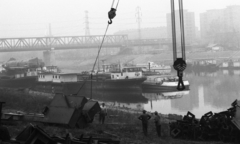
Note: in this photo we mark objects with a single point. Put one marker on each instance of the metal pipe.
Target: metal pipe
(1, 103)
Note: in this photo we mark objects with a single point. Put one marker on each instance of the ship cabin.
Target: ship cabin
(32, 72)
(58, 77)
(127, 73)
(233, 63)
(160, 79)
(51, 69)
(225, 65)
(45, 77)
(65, 77)
(236, 64)
(106, 68)
(19, 75)
(205, 62)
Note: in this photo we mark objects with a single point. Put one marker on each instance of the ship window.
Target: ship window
(121, 74)
(52, 76)
(112, 76)
(55, 76)
(43, 76)
(59, 77)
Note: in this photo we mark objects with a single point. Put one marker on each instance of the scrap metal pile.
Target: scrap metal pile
(68, 111)
(223, 126)
(71, 111)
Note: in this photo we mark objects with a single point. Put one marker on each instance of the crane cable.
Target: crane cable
(179, 63)
(111, 15)
(182, 29)
(173, 31)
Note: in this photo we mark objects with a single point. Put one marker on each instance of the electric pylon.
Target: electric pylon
(87, 30)
(138, 19)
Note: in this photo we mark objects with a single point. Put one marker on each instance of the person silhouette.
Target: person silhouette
(144, 118)
(157, 123)
(103, 113)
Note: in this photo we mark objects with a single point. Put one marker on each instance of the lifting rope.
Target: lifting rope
(111, 15)
(179, 63)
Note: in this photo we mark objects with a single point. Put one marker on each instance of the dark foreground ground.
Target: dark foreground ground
(119, 125)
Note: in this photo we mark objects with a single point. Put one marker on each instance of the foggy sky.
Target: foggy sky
(30, 18)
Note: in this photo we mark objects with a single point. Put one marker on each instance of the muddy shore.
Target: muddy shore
(119, 125)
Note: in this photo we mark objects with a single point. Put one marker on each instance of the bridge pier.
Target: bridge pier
(49, 57)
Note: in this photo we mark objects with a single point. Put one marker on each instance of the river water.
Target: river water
(209, 91)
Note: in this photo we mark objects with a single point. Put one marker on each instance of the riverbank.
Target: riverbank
(119, 125)
(126, 133)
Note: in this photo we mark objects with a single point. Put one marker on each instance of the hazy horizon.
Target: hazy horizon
(31, 18)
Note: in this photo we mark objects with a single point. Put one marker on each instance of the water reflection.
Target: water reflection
(165, 96)
(209, 91)
(127, 100)
(213, 91)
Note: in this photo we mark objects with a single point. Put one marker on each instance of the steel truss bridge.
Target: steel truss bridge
(73, 42)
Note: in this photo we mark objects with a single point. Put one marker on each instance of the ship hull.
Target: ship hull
(18, 83)
(153, 87)
(89, 87)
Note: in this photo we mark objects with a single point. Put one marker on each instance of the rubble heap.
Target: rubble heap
(223, 126)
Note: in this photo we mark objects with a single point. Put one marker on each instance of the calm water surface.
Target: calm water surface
(213, 91)
(208, 92)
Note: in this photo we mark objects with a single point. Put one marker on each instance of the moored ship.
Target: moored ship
(152, 66)
(165, 95)
(162, 83)
(230, 64)
(127, 78)
(20, 74)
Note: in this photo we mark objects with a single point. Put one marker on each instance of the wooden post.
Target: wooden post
(1, 103)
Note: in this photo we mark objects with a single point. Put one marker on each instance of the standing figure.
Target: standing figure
(144, 118)
(103, 113)
(157, 123)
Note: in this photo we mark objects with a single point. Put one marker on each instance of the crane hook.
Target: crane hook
(111, 15)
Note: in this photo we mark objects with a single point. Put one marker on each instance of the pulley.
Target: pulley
(112, 12)
(111, 15)
(180, 65)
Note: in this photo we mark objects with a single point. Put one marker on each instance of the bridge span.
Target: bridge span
(74, 42)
